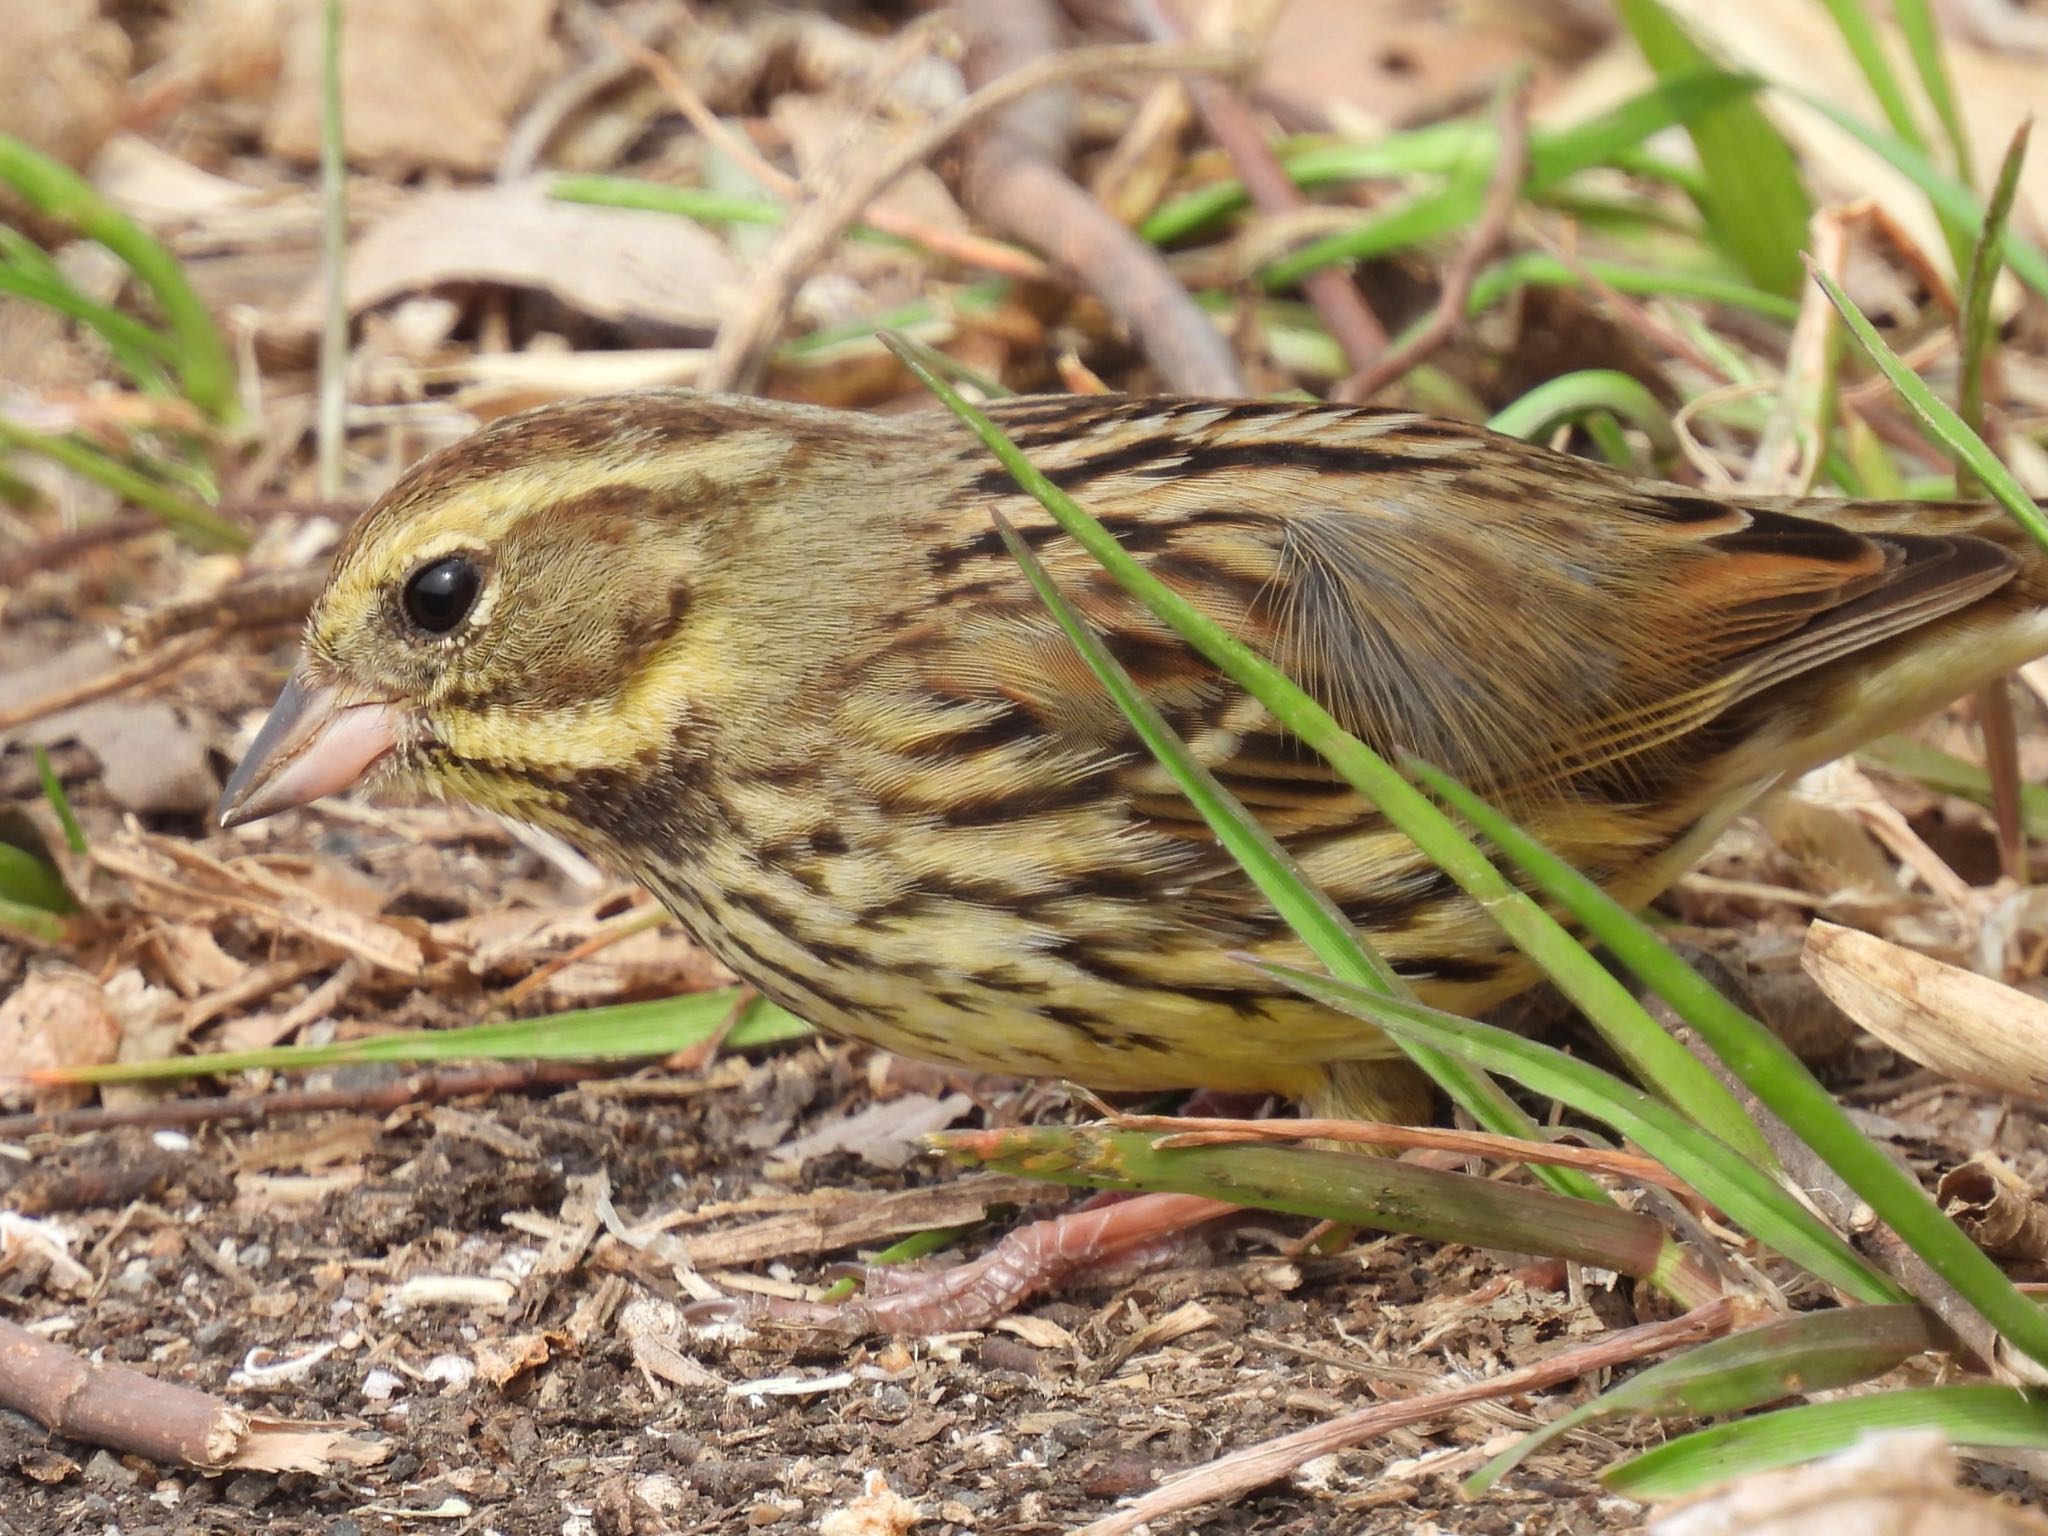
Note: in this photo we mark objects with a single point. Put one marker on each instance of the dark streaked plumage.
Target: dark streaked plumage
(775, 662)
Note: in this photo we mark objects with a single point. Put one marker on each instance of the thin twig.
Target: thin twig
(140, 670)
(1503, 192)
(418, 1088)
(331, 435)
(745, 340)
(61, 549)
(1239, 1473)
(1331, 291)
(2002, 762)
(961, 245)
(1014, 176)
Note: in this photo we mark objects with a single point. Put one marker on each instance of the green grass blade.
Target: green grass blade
(1384, 1194)
(1684, 97)
(1572, 395)
(1750, 1195)
(206, 370)
(1669, 1067)
(1946, 426)
(1947, 774)
(623, 1030)
(1923, 42)
(1312, 916)
(60, 803)
(1966, 1415)
(1985, 263)
(1951, 198)
(29, 881)
(1859, 31)
(197, 524)
(1793, 1356)
(1540, 269)
(1768, 1067)
(1757, 204)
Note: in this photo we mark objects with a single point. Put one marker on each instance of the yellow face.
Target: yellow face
(524, 607)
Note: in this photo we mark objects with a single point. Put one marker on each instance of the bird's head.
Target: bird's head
(551, 604)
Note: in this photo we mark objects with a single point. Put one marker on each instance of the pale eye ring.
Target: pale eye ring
(439, 595)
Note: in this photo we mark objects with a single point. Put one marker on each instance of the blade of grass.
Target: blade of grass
(1312, 916)
(1947, 774)
(655, 1028)
(60, 803)
(1949, 197)
(1686, 95)
(1572, 395)
(1853, 20)
(1757, 203)
(1946, 426)
(1794, 1356)
(31, 923)
(29, 881)
(1923, 42)
(199, 525)
(1665, 1063)
(1384, 1194)
(1750, 1195)
(1768, 1067)
(206, 371)
(1977, 333)
(1965, 1415)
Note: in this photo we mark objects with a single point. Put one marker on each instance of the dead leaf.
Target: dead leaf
(1955, 1022)
(884, 1134)
(57, 1017)
(62, 75)
(2002, 1213)
(1900, 1484)
(424, 82)
(609, 263)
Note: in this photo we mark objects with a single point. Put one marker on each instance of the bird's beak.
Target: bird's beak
(312, 745)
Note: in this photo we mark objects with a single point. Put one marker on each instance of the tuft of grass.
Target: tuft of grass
(192, 346)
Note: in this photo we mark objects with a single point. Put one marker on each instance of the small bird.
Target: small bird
(775, 662)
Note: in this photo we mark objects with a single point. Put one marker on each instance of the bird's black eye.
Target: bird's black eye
(439, 595)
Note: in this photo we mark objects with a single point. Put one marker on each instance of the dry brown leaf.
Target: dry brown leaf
(1888, 1485)
(610, 263)
(57, 1017)
(2002, 1213)
(424, 82)
(62, 74)
(885, 1134)
(879, 1511)
(1955, 1022)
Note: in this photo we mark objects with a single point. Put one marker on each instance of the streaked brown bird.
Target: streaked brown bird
(775, 662)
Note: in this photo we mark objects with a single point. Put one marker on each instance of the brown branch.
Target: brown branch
(1503, 192)
(127, 1411)
(1014, 177)
(1331, 291)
